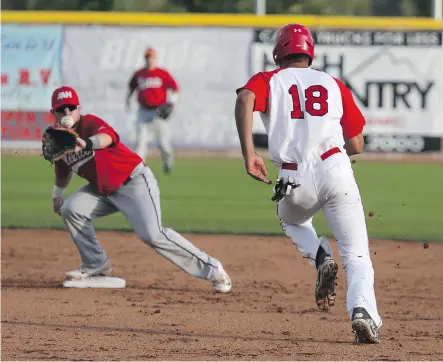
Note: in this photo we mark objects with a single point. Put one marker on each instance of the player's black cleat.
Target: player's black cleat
(167, 169)
(366, 332)
(325, 286)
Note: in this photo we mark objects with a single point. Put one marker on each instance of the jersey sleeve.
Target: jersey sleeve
(259, 85)
(61, 169)
(100, 126)
(352, 120)
(171, 83)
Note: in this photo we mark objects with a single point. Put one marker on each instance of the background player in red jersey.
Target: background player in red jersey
(118, 180)
(155, 105)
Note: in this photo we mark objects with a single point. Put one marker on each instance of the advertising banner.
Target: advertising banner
(31, 66)
(24, 126)
(396, 79)
(207, 63)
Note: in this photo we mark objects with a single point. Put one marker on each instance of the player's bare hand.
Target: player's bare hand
(255, 166)
(80, 144)
(57, 204)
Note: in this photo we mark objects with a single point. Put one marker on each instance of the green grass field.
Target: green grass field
(216, 196)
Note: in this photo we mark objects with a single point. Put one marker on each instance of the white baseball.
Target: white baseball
(67, 121)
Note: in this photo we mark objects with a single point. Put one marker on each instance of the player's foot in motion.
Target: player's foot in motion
(221, 282)
(325, 285)
(167, 169)
(84, 273)
(366, 332)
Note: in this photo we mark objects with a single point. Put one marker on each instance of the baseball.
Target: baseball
(67, 121)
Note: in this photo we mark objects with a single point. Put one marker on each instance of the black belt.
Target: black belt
(150, 108)
(127, 180)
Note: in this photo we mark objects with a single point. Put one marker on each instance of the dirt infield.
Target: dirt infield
(164, 314)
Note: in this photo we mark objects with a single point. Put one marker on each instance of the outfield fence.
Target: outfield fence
(394, 67)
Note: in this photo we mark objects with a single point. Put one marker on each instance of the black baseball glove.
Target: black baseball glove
(57, 141)
(283, 188)
(165, 110)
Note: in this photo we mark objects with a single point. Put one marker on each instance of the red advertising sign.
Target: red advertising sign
(28, 77)
(24, 126)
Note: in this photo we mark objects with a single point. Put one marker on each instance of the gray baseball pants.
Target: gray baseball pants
(147, 123)
(139, 201)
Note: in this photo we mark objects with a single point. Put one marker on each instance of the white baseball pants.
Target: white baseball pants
(330, 185)
(147, 123)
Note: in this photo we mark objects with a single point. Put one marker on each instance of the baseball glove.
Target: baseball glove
(57, 141)
(283, 188)
(165, 110)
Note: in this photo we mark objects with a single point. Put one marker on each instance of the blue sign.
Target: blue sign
(31, 66)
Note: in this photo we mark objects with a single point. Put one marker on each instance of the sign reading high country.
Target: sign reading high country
(396, 77)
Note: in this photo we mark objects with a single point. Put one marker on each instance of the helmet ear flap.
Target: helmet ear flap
(275, 55)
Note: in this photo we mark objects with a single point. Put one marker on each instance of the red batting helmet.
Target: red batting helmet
(293, 39)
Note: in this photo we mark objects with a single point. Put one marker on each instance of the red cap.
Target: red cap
(64, 96)
(293, 39)
(150, 51)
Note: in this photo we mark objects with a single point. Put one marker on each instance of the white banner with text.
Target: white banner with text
(207, 64)
(396, 79)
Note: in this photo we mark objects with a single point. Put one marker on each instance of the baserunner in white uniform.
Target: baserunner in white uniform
(313, 124)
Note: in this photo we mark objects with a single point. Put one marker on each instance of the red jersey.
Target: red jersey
(152, 86)
(105, 169)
